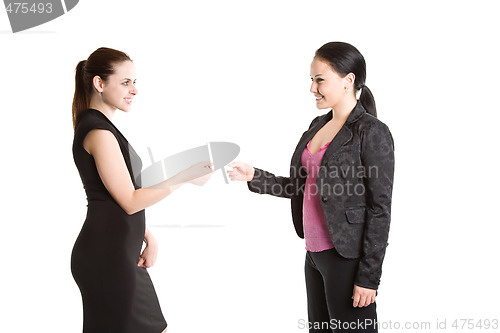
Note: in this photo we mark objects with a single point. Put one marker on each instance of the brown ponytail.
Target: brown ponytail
(100, 63)
(80, 100)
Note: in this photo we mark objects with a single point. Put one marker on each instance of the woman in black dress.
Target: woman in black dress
(340, 186)
(107, 263)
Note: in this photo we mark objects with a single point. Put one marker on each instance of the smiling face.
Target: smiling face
(328, 87)
(119, 89)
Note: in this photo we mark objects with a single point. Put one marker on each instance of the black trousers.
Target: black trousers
(330, 282)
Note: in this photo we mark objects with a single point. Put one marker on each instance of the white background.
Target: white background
(239, 72)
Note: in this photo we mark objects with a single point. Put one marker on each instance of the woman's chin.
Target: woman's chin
(322, 107)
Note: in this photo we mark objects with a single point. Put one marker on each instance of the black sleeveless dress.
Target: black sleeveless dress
(118, 296)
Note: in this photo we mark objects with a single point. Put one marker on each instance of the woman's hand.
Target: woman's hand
(197, 174)
(148, 256)
(241, 171)
(363, 296)
(203, 171)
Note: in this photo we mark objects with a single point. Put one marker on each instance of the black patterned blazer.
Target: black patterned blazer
(355, 187)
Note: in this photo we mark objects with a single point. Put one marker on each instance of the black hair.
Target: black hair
(344, 59)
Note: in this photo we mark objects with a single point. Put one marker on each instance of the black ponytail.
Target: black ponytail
(344, 59)
(367, 100)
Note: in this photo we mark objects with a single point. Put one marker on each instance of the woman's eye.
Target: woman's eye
(125, 83)
(319, 80)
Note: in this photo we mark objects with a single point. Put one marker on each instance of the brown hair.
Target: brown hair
(100, 63)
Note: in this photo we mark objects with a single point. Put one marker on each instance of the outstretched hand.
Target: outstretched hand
(201, 172)
(241, 171)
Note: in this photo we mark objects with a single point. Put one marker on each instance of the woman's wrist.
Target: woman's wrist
(151, 242)
(252, 175)
(149, 238)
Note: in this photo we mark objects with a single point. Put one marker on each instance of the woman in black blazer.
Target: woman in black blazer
(340, 186)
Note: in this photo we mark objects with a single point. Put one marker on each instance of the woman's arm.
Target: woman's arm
(260, 181)
(104, 147)
(263, 182)
(148, 237)
(377, 156)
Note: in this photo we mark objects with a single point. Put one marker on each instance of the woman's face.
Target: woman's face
(119, 90)
(327, 86)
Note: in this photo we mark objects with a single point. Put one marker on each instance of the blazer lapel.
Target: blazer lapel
(343, 136)
(306, 137)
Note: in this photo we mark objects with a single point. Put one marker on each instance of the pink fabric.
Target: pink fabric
(315, 230)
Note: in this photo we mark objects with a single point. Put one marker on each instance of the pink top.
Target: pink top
(315, 230)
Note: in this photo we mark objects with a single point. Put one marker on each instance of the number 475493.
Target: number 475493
(25, 8)
(475, 324)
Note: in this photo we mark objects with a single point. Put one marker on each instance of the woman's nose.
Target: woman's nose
(314, 87)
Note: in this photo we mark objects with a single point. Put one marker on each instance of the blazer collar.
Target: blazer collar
(355, 114)
(340, 139)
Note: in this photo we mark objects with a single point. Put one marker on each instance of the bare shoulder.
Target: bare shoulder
(99, 140)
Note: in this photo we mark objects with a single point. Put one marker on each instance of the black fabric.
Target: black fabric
(355, 187)
(118, 296)
(329, 284)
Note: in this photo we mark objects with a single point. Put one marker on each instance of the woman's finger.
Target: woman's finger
(355, 301)
(362, 301)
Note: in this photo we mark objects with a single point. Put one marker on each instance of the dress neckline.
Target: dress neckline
(102, 115)
(109, 121)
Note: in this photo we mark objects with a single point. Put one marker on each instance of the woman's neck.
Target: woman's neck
(342, 110)
(105, 109)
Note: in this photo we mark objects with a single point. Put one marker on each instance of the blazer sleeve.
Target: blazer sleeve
(265, 182)
(377, 156)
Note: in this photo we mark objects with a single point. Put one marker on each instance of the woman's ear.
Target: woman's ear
(97, 83)
(350, 78)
